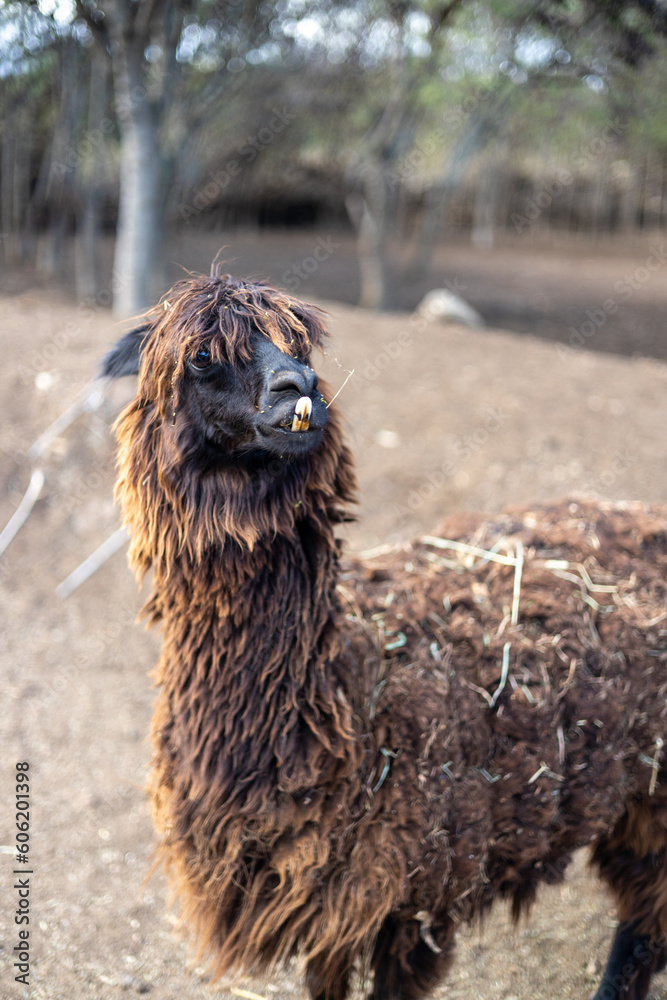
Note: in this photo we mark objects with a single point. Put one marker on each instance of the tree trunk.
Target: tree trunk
(485, 204)
(55, 191)
(91, 183)
(7, 163)
(370, 252)
(140, 216)
(87, 255)
(16, 229)
(22, 179)
(145, 170)
(368, 212)
(476, 137)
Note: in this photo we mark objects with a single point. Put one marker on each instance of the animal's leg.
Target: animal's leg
(633, 861)
(321, 987)
(405, 962)
(632, 961)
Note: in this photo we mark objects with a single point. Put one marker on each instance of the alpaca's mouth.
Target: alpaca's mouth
(302, 412)
(296, 425)
(296, 417)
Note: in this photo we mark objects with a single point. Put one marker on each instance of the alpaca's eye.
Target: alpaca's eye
(202, 359)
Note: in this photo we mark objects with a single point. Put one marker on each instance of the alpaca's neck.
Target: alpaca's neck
(282, 588)
(250, 662)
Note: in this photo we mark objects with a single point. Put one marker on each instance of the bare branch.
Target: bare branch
(90, 565)
(89, 399)
(22, 512)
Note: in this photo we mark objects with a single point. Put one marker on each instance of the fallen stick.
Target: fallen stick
(89, 399)
(22, 512)
(93, 562)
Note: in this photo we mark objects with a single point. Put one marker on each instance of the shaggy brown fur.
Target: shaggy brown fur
(341, 769)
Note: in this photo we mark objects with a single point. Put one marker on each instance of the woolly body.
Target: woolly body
(336, 772)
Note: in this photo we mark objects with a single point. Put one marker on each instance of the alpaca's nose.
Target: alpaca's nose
(302, 381)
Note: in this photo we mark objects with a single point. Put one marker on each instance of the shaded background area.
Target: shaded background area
(546, 290)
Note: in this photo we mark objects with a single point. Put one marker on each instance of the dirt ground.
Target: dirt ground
(440, 418)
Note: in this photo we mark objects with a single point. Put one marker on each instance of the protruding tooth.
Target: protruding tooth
(302, 411)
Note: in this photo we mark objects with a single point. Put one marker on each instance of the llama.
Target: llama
(354, 756)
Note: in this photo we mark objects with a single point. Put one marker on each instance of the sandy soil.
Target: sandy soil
(440, 418)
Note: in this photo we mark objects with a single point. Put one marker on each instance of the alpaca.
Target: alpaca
(353, 756)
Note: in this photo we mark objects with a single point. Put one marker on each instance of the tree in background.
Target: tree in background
(142, 41)
(153, 93)
(33, 112)
(171, 65)
(504, 53)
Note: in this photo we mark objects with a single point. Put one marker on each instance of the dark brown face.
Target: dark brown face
(268, 405)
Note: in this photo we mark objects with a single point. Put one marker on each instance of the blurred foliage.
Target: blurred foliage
(337, 64)
(406, 82)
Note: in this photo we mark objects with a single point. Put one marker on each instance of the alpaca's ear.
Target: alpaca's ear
(125, 356)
